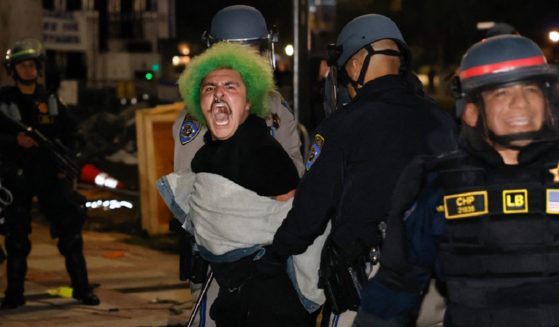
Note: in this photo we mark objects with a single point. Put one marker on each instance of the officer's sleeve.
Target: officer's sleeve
(184, 150)
(317, 194)
(287, 134)
(8, 135)
(408, 256)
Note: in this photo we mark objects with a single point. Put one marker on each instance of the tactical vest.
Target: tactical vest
(12, 110)
(500, 250)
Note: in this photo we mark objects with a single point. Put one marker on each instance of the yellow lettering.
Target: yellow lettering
(515, 200)
(464, 200)
(466, 209)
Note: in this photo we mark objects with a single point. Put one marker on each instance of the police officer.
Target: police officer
(245, 25)
(483, 218)
(360, 149)
(27, 171)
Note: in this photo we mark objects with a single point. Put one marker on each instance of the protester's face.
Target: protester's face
(223, 102)
(26, 70)
(513, 109)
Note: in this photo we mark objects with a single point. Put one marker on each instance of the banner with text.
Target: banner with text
(64, 30)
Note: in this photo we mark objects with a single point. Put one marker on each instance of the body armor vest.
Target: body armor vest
(500, 250)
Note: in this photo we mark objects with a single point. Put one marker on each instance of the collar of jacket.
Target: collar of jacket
(486, 153)
(379, 86)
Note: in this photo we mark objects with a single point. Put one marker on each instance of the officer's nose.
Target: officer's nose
(520, 98)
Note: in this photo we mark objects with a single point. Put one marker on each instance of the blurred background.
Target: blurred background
(108, 59)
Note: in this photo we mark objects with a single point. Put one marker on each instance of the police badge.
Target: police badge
(189, 129)
(316, 148)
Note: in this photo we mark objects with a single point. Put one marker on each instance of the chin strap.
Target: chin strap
(370, 52)
(507, 140)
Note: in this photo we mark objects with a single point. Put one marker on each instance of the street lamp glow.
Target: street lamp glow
(554, 36)
(289, 50)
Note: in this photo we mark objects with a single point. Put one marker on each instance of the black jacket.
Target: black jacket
(251, 158)
(365, 147)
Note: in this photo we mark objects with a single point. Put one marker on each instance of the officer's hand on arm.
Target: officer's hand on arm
(284, 197)
(25, 141)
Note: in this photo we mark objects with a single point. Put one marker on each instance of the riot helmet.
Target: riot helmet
(488, 72)
(26, 49)
(365, 30)
(359, 33)
(245, 25)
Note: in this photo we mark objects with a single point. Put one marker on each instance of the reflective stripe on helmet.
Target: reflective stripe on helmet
(502, 66)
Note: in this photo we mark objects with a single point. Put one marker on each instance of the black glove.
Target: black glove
(271, 264)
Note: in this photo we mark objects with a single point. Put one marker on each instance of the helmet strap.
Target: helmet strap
(365, 67)
(505, 141)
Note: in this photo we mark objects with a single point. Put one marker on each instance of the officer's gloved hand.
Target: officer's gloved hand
(271, 264)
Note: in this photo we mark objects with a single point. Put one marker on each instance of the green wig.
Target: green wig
(255, 72)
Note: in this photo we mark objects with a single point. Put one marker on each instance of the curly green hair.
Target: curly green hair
(255, 72)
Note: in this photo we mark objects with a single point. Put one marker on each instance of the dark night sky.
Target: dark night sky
(438, 31)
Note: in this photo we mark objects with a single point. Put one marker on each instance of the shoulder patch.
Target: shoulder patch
(316, 148)
(464, 205)
(515, 201)
(552, 201)
(190, 128)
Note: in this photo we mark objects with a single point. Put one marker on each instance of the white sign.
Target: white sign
(64, 30)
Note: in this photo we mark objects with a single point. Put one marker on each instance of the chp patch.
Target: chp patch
(316, 148)
(189, 129)
(515, 201)
(464, 205)
(552, 202)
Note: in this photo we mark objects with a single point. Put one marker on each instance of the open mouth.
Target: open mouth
(220, 113)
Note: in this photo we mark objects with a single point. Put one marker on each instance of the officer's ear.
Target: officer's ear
(471, 114)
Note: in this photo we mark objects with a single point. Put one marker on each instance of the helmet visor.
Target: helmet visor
(518, 113)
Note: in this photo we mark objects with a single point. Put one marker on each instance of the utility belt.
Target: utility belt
(232, 276)
(343, 279)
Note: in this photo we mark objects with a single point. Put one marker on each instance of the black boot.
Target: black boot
(15, 271)
(75, 264)
(87, 298)
(12, 301)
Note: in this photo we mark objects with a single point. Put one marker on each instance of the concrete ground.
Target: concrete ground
(137, 286)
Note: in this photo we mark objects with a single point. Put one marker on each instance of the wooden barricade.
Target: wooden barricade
(155, 159)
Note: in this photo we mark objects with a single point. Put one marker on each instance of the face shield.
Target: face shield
(26, 49)
(518, 113)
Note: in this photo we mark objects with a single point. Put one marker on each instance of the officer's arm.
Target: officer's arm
(394, 294)
(8, 134)
(315, 200)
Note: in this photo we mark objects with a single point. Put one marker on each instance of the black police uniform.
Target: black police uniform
(489, 230)
(32, 172)
(358, 154)
(253, 159)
